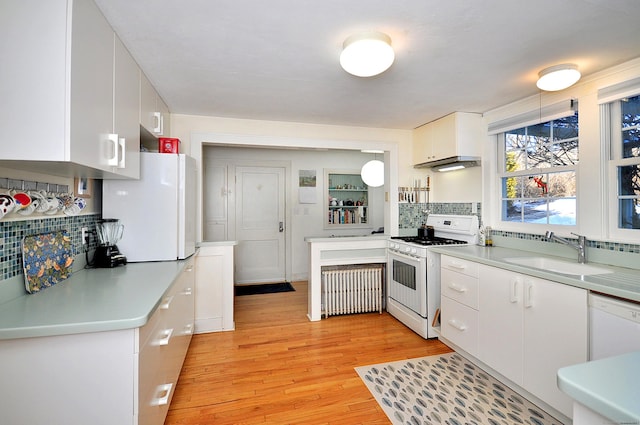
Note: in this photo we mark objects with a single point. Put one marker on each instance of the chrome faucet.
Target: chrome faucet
(580, 246)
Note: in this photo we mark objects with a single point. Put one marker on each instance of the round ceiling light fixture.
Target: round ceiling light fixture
(558, 77)
(367, 54)
(372, 173)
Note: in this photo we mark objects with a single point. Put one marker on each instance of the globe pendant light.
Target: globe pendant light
(558, 77)
(372, 173)
(367, 54)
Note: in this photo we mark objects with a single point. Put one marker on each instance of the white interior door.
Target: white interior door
(260, 226)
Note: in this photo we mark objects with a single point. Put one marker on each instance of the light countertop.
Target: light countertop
(91, 300)
(622, 282)
(609, 387)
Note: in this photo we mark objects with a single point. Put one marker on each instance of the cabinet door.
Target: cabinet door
(91, 87)
(163, 109)
(501, 321)
(555, 329)
(126, 111)
(33, 109)
(148, 116)
(443, 137)
(422, 146)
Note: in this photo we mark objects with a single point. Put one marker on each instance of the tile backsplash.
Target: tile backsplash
(411, 216)
(12, 233)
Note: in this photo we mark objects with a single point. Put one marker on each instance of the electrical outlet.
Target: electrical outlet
(85, 235)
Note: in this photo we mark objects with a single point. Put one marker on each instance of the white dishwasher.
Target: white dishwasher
(614, 326)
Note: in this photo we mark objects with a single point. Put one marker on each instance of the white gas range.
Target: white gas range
(413, 277)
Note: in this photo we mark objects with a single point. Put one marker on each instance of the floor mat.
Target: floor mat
(267, 288)
(447, 389)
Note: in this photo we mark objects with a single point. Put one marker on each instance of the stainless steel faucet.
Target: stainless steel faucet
(580, 246)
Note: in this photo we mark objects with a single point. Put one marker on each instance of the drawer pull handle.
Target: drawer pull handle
(166, 336)
(459, 266)
(188, 329)
(459, 326)
(457, 288)
(189, 268)
(162, 395)
(167, 302)
(187, 291)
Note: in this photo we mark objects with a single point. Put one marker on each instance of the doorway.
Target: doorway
(259, 224)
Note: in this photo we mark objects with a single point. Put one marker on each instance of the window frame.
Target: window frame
(613, 139)
(502, 173)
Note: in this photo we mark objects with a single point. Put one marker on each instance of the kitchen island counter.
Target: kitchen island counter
(340, 250)
(91, 300)
(608, 387)
(621, 282)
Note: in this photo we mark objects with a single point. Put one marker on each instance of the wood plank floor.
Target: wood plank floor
(279, 368)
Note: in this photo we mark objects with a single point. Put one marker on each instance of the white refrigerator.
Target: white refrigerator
(158, 211)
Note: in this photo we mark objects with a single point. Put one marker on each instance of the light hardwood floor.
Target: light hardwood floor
(279, 368)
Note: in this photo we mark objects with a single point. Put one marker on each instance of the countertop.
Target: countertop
(91, 300)
(622, 282)
(347, 238)
(607, 386)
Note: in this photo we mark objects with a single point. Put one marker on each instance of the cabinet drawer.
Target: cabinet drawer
(459, 265)
(460, 287)
(460, 325)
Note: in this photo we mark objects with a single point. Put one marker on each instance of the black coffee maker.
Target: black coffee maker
(107, 253)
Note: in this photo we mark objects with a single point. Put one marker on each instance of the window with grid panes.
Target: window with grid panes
(538, 181)
(625, 159)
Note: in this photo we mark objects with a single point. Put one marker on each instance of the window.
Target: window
(538, 179)
(625, 159)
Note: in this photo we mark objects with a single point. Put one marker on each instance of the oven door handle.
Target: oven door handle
(407, 257)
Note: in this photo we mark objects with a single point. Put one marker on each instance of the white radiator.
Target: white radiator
(352, 289)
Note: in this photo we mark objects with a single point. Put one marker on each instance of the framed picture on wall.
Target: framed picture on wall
(82, 187)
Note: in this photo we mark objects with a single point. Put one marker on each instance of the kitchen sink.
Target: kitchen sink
(558, 266)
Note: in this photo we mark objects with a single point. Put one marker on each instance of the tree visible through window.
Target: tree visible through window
(539, 179)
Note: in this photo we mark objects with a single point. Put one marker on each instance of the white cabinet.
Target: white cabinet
(58, 106)
(529, 328)
(154, 113)
(457, 134)
(126, 111)
(214, 287)
(112, 377)
(459, 302)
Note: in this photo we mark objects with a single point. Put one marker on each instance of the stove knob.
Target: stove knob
(414, 251)
(407, 249)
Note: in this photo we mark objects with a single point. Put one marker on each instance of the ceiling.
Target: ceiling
(279, 59)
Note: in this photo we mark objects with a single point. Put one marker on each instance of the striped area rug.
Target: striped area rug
(447, 389)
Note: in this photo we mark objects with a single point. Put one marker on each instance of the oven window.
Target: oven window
(404, 274)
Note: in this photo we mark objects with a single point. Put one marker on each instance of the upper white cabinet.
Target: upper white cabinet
(154, 113)
(66, 69)
(457, 134)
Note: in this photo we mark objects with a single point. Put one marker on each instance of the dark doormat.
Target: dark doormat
(266, 288)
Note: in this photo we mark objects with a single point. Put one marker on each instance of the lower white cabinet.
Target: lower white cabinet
(459, 303)
(101, 378)
(529, 328)
(214, 287)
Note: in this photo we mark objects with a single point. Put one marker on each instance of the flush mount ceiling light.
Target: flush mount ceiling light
(372, 173)
(558, 77)
(367, 54)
